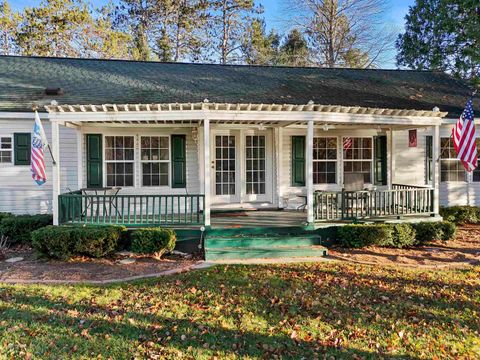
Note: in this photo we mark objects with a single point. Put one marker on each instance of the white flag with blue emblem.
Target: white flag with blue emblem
(39, 143)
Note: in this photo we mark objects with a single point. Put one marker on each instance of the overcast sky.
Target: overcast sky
(273, 15)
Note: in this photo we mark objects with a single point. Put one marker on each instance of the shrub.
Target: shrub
(431, 231)
(63, 242)
(54, 241)
(461, 214)
(357, 236)
(449, 230)
(4, 215)
(154, 241)
(96, 241)
(403, 236)
(19, 228)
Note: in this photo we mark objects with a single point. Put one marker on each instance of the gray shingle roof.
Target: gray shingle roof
(86, 81)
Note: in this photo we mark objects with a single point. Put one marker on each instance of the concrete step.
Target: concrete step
(264, 252)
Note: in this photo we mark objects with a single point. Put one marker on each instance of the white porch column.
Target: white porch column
(390, 159)
(55, 170)
(206, 164)
(436, 169)
(79, 159)
(309, 159)
(278, 132)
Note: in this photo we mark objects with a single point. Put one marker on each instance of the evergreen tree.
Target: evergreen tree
(442, 35)
(229, 19)
(294, 50)
(9, 21)
(259, 48)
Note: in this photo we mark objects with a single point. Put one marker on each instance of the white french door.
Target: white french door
(241, 166)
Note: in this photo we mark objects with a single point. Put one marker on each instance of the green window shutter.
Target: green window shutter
(22, 148)
(94, 161)
(380, 160)
(428, 159)
(298, 160)
(179, 162)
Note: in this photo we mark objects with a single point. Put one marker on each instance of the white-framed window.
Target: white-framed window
(155, 160)
(476, 172)
(358, 157)
(324, 160)
(120, 160)
(6, 149)
(451, 169)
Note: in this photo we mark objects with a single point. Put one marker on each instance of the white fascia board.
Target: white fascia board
(21, 115)
(186, 115)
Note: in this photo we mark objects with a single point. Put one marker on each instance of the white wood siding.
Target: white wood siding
(192, 163)
(18, 192)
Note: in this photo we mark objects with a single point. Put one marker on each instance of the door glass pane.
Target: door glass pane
(225, 165)
(255, 164)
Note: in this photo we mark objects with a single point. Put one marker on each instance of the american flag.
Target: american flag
(464, 136)
(39, 143)
(347, 143)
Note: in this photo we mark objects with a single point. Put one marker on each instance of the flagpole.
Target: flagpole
(35, 108)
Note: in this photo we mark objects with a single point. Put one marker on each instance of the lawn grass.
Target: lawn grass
(251, 312)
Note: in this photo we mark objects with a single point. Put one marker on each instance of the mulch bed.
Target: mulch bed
(34, 269)
(464, 250)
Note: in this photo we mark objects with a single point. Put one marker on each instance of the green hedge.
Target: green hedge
(63, 242)
(395, 235)
(431, 231)
(19, 228)
(461, 214)
(154, 241)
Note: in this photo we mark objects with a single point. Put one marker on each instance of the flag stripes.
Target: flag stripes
(463, 134)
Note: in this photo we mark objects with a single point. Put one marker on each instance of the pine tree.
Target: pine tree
(9, 21)
(442, 35)
(259, 48)
(294, 50)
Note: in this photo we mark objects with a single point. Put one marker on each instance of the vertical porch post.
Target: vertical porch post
(309, 159)
(79, 159)
(278, 157)
(55, 170)
(206, 164)
(390, 159)
(436, 169)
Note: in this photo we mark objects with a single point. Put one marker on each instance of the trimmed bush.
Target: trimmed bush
(358, 236)
(403, 236)
(431, 231)
(19, 228)
(54, 242)
(461, 214)
(155, 241)
(449, 230)
(4, 215)
(97, 241)
(63, 242)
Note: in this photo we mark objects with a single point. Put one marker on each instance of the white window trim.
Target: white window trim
(169, 161)
(105, 161)
(466, 179)
(337, 160)
(12, 160)
(344, 160)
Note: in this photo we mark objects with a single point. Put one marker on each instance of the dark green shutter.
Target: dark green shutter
(94, 161)
(179, 162)
(380, 160)
(429, 158)
(298, 160)
(22, 142)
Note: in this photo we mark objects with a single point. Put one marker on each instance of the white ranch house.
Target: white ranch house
(170, 144)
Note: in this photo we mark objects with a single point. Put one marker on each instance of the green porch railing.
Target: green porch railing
(365, 204)
(131, 210)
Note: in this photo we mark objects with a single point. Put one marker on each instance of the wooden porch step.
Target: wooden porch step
(264, 252)
(270, 240)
